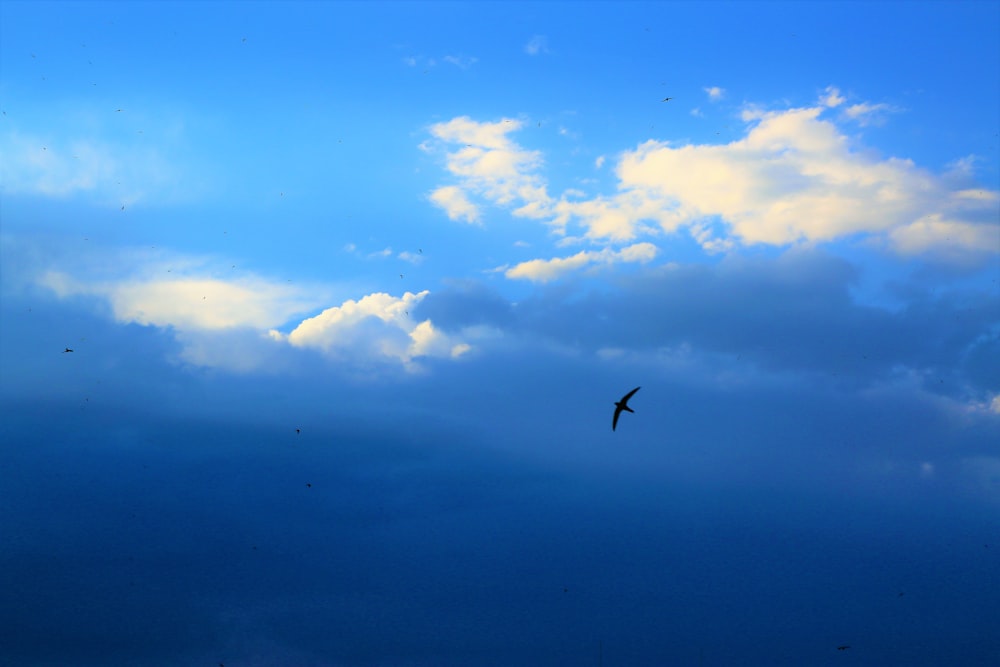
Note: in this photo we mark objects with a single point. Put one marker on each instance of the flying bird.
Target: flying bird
(843, 648)
(666, 99)
(67, 350)
(622, 405)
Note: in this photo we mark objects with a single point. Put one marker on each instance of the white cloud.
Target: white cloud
(190, 302)
(383, 253)
(715, 93)
(455, 204)
(545, 270)
(935, 234)
(460, 61)
(831, 97)
(599, 162)
(411, 257)
(489, 165)
(113, 174)
(868, 114)
(235, 323)
(377, 327)
(794, 177)
(537, 44)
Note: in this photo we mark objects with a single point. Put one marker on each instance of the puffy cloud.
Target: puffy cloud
(379, 328)
(795, 177)
(236, 324)
(545, 270)
(455, 204)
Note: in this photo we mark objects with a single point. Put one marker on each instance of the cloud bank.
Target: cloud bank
(796, 177)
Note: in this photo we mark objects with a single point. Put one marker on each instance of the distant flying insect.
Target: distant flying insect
(622, 405)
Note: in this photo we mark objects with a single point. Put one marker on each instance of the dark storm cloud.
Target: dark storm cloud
(794, 313)
(483, 512)
(465, 304)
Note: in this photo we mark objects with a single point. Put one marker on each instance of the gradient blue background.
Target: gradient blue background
(247, 219)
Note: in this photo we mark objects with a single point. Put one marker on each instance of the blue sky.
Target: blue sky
(351, 290)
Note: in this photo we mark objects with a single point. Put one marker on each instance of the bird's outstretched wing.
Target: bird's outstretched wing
(622, 405)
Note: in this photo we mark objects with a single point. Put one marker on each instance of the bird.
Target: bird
(67, 350)
(843, 648)
(622, 405)
(298, 430)
(666, 99)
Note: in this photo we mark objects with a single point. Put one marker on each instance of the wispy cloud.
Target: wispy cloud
(545, 270)
(831, 97)
(869, 114)
(108, 172)
(460, 61)
(715, 93)
(414, 258)
(536, 45)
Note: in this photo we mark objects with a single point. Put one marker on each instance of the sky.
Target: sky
(351, 290)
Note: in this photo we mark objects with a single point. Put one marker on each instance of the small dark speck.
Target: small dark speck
(244, 39)
(298, 430)
(309, 485)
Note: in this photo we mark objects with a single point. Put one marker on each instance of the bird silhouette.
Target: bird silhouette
(67, 350)
(622, 405)
(666, 99)
(843, 648)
